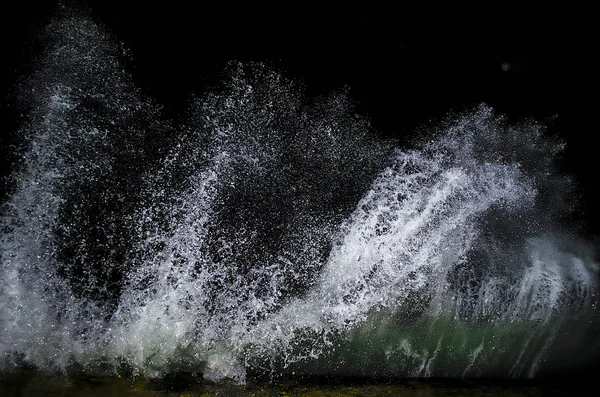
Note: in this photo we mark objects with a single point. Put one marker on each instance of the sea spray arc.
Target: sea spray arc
(428, 245)
(257, 220)
(65, 225)
(271, 234)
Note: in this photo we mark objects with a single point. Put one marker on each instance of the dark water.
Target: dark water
(267, 235)
(28, 384)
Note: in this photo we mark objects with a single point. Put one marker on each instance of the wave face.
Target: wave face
(270, 234)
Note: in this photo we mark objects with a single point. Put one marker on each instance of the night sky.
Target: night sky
(402, 70)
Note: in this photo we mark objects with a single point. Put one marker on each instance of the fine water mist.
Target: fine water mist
(267, 233)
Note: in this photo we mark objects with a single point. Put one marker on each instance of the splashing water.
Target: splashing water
(270, 234)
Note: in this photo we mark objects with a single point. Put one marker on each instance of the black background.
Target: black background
(402, 67)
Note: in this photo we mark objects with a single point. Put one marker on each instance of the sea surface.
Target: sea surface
(30, 384)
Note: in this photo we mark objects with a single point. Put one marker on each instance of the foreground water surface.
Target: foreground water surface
(25, 384)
